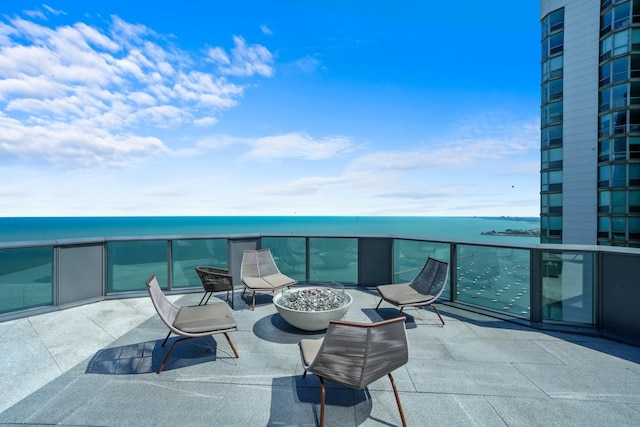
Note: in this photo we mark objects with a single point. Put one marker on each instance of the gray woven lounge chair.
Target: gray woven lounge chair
(260, 273)
(191, 322)
(356, 354)
(214, 280)
(422, 291)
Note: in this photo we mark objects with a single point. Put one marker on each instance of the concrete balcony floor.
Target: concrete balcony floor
(95, 365)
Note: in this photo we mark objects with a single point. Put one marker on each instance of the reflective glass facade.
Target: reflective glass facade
(603, 205)
(551, 123)
(619, 124)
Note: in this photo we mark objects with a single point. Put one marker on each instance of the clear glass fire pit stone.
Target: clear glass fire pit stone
(314, 298)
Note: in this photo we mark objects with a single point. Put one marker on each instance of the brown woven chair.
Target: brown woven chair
(191, 322)
(356, 354)
(422, 291)
(260, 273)
(214, 280)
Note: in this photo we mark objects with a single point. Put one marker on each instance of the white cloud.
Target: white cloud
(309, 64)
(35, 14)
(218, 55)
(75, 94)
(306, 186)
(298, 145)
(245, 60)
(470, 144)
(62, 143)
(266, 30)
(53, 11)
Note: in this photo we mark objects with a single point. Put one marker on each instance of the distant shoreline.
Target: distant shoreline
(534, 232)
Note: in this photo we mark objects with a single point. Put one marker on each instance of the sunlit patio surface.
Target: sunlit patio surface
(94, 365)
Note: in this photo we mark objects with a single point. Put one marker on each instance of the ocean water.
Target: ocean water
(442, 228)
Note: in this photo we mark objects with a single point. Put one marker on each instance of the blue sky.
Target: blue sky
(412, 108)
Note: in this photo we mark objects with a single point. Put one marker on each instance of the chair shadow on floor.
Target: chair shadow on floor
(423, 317)
(387, 313)
(303, 408)
(145, 357)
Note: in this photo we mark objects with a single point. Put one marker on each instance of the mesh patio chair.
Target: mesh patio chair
(422, 291)
(356, 354)
(260, 273)
(214, 280)
(191, 322)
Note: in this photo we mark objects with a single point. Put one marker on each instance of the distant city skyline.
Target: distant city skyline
(270, 108)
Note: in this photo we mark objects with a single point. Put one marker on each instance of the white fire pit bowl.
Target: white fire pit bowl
(311, 320)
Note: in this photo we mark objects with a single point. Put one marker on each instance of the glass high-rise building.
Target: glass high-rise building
(590, 122)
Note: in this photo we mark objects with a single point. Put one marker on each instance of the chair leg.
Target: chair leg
(379, 302)
(203, 297)
(395, 391)
(166, 357)
(253, 301)
(165, 340)
(323, 393)
(438, 313)
(233, 347)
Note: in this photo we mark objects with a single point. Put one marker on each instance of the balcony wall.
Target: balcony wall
(584, 289)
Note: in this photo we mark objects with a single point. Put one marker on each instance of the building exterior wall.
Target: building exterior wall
(596, 196)
(580, 141)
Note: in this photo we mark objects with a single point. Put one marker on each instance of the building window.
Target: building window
(604, 173)
(552, 114)
(604, 202)
(635, 39)
(634, 228)
(634, 147)
(551, 181)
(552, 159)
(634, 97)
(604, 127)
(619, 121)
(552, 68)
(552, 22)
(604, 150)
(604, 226)
(606, 21)
(551, 136)
(620, 69)
(621, 15)
(634, 174)
(620, 42)
(605, 48)
(634, 120)
(634, 201)
(619, 175)
(619, 149)
(552, 91)
(618, 201)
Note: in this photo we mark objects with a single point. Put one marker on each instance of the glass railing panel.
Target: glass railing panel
(187, 254)
(409, 256)
(495, 278)
(290, 255)
(568, 287)
(333, 259)
(131, 263)
(26, 278)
